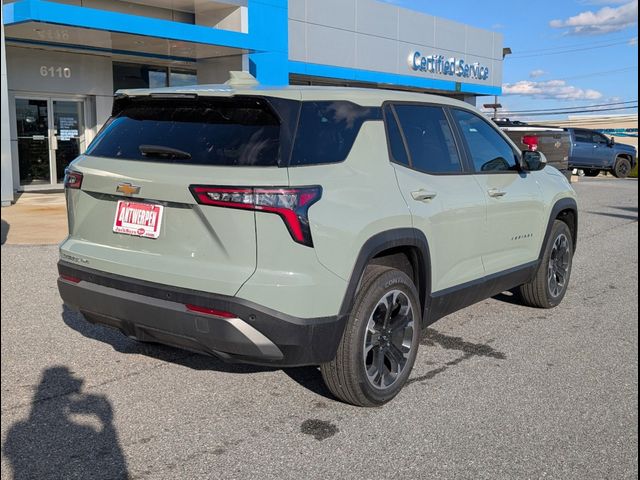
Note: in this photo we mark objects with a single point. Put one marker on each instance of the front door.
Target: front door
(515, 219)
(51, 133)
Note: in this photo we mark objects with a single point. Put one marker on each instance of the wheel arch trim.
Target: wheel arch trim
(560, 206)
(388, 239)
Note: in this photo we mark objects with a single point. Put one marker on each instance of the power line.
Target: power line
(535, 110)
(568, 112)
(571, 45)
(598, 74)
(560, 52)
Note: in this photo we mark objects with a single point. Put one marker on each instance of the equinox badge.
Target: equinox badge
(127, 188)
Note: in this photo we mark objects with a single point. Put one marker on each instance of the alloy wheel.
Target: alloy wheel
(559, 263)
(388, 339)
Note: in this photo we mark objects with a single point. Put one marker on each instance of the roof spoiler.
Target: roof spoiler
(241, 78)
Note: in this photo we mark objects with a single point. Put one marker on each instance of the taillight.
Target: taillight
(531, 141)
(209, 311)
(72, 179)
(70, 278)
(292, 204)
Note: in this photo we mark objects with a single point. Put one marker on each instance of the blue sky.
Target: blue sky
(599, 39)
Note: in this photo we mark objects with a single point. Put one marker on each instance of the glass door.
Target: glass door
(51, 133)
(68, 133)
(32, 117)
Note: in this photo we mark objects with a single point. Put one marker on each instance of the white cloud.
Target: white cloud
(633, 41)
(537, 73)
(554, 89)
(605, 20)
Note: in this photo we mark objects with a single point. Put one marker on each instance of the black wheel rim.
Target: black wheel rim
(388, 339)
(623, 169)
(559, 264)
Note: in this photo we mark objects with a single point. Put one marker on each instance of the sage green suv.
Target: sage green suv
(306, 225)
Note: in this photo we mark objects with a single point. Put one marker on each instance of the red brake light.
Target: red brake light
(210, 311)
(291, 204)
(72, 179)
(70, 278)
(531, 141)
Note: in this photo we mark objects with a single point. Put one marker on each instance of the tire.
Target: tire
(368, 381)
(591, 173)
(549, 286)
(622, 168)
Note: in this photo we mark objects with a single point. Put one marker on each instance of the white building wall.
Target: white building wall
(7, 170)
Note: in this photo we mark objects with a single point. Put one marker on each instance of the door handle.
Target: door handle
(495, 193)
(423, 195)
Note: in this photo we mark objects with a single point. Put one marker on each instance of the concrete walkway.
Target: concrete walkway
(35, 219)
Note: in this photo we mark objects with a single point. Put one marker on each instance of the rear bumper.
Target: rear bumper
(158, 313)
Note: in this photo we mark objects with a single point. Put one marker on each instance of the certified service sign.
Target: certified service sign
(441, 65)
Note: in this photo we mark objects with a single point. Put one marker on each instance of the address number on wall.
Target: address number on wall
(55, 72)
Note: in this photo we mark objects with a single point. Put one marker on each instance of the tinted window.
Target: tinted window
(429, 138)
(601, 139)
(582, 136)
(396, 145)
(242, 132)
(327, 130)
(489, 151)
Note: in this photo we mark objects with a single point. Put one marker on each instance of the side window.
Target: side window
(489, 151)
(431, 144)
(327, 130)
(601, 139)
(396, 144)
(582, 136)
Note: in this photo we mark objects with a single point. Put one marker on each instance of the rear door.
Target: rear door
(148, 155)
(445, 202)
(514, 200)
(582, 149)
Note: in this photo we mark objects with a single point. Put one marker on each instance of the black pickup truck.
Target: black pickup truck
(554, 142)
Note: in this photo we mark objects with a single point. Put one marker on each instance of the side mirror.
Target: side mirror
(612, 141)
(533, 161)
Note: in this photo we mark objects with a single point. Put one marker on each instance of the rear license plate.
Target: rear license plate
(138, 219)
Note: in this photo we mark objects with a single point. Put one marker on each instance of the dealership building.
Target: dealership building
(62, 61)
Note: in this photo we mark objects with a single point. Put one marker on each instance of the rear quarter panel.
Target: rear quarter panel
(360, 199)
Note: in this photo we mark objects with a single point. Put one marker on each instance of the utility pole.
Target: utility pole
(495, 105)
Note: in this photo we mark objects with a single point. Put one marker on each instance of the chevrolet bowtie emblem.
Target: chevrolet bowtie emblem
(127, 188)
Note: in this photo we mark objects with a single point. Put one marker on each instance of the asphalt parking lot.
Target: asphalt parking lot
(498, 390)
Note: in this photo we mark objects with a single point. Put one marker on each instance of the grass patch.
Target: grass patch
(634, 172)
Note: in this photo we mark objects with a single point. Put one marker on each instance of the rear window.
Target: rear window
(224, 132)
(327, 130)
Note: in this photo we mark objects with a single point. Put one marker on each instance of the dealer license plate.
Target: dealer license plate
(138, 219)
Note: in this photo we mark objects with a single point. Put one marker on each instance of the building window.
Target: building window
(132, 75)
(179, 78)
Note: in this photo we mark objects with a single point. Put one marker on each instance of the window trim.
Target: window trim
(464, 164)
(386, 122)
(517, 154)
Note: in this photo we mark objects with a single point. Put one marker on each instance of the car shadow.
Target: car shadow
(4, 232)
(307, 377)
(68, 433)
(510, 297)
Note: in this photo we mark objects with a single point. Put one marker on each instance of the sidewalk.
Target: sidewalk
(35, 219)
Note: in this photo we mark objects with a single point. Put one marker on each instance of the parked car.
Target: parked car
(554, 142)
(307, 225)
(594, 152)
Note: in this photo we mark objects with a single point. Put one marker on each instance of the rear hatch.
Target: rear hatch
(134, 213)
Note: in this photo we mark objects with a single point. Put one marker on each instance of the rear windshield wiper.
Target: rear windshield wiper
(163, 152)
